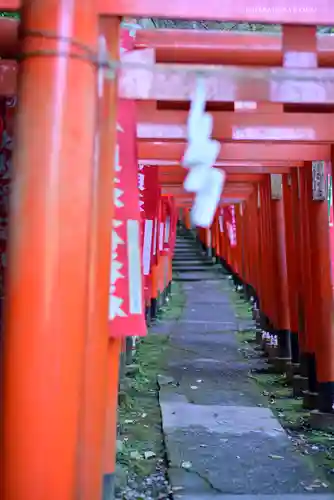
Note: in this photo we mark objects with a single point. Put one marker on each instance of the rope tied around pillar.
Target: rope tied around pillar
(74, 50)
(86, 53)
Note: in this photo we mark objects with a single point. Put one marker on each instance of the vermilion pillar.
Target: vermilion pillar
(269, 300)
(290, 197)
(307, 292)
(109, 451)
(46, 303)
(262, 259)
(322, 303)
(279, 273)
(92, 435)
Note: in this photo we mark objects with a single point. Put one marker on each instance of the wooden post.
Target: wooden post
(46, 302)
(290, 199)
(279, 272)
(113, 377)
(95, 376)
(307, 293)
(322, 305)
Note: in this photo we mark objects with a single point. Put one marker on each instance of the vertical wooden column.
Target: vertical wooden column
(280, 273)
(95, 376)
(216, 229)
(208, 241)
(47, 300)
(290, 198)
(268, 267)
(187, 222)
(254, 234)
(265, 261)
(307, 293)
(238, 249)
(115, 347)
(322, 301)
(262, 282)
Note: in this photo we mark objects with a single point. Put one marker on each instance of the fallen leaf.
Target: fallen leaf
(186, 465)
(135, 455)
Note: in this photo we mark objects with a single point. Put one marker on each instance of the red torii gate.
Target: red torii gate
(53, 193)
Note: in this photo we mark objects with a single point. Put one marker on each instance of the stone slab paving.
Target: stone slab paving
(181, 261)
(222, 441)
(192, 269)
(197, 276)
(200, 496)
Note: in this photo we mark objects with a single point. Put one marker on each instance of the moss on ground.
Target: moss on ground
(173, 309)
(246, 336)
(317, 447)
(141, 450)
(139, 416)
(242, 309)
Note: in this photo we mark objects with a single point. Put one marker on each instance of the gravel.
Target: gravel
(153, 487)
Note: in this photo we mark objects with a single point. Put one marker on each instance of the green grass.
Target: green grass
(139, 414)
(246, 336)
(174, 308)
(242, 309)
(317, 447)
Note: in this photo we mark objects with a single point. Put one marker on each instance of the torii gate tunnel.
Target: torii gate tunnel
(91, 168)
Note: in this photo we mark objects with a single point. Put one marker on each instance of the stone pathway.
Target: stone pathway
(222, 441)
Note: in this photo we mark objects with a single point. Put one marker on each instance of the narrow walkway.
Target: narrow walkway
(222, 441)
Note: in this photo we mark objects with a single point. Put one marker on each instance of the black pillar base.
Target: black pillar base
(148, 316)
(237, 281)
(308, 369)
(248, 292)
(162, 299)
(154, 308)
(226, 268)
(284, 345)
(109, 486)
(310, 400)
(265, 323)
(128, 350)
(294, 347)
(303, 363)
(326, 397)
(253, 294)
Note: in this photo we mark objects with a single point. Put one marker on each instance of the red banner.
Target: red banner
(174, 218)
(126, 302)
(168, 222)
(148, 201)
(231, 224)
(221, 219)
